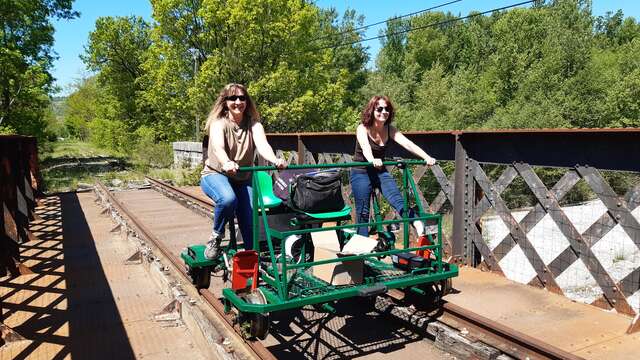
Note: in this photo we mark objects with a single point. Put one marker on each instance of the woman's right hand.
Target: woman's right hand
(230, 167)
(377, 163)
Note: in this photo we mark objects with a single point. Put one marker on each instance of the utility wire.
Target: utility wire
(384, 21)
(444, 22)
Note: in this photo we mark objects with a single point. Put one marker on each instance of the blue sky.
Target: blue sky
(71, 36)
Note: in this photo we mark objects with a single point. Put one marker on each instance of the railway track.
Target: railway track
(497, 335)
(254, 347)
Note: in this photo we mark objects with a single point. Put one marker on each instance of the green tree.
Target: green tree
(116, 51)
(26, 56)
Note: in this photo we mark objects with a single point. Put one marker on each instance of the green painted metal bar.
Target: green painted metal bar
(439, 248)
(350, 226)
(254, 214)
(359, 257)
(256, 239)
(331, 166)
(376, 212)
(414, 189)
(337, 294)
(405, 208)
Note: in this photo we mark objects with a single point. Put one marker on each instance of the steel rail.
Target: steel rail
(506, 339)
(200, 200)
(255, 346)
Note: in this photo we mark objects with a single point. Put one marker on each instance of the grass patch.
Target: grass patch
(73, 164)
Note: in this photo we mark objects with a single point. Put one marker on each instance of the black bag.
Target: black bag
(317, 192)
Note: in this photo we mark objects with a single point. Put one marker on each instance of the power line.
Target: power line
(444, 22)
(385, 21)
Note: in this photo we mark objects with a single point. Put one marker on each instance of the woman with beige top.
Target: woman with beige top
(234, 133)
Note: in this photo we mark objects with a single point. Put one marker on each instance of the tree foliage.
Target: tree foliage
(164, 75)
(551, 65)
(26, 56)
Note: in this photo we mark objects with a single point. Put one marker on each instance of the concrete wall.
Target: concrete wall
(187, 152)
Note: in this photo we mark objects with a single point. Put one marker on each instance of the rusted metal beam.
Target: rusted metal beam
(557, 148)
(460, 231)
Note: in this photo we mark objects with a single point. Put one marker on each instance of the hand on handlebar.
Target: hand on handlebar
(230, 167)
(430, 161)
(377, 163)
(280, 163)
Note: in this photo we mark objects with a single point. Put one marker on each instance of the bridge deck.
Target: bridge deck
(581, 329)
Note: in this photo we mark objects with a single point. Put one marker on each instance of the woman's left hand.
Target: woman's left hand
(280, 163)
(430, 161)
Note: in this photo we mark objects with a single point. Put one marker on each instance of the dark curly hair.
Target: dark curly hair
(367, 113)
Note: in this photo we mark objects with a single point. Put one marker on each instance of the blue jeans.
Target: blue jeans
(230, 198)
(363, 181)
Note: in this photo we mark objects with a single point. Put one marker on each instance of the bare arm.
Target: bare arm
(403, 141)
(262, 145)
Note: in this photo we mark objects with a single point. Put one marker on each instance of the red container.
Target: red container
(245, 267)
(423, 240)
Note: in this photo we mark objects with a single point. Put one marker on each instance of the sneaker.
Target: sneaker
(213, 249)
(419, 226)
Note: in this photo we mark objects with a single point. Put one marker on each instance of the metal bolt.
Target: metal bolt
(619, 204)
(615, 289)
(544, 270)
(613, 301)
(548, 196)
(618, 216)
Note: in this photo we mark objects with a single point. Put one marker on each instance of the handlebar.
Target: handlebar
(399, 163)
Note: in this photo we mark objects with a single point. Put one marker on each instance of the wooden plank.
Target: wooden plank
(577, 243)
(516, 231)
(560, 189)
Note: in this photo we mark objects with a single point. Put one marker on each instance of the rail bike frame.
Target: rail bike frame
(287, 285)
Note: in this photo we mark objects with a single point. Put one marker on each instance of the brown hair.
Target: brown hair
(367, 113)
(220, 110)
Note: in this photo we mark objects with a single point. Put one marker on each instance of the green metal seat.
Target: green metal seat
(265, 183)
(346, 211)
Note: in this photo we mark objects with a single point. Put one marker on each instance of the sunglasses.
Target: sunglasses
(236, 97)
(381, 108)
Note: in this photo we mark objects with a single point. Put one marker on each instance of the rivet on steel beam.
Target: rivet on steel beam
(618, 216)
(544, 281)
(614, 289)
(619, 204)
(544, 270)
(548, 196)
(613, 301)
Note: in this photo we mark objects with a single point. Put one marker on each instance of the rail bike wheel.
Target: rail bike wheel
(440, 289)
(255, 325)
(200, 276)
